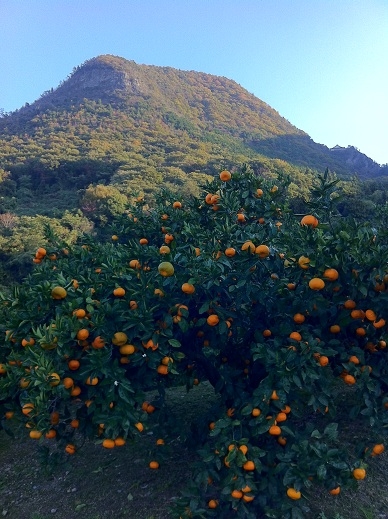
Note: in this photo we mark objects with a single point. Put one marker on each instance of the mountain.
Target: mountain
(113, 121)
(357, 161)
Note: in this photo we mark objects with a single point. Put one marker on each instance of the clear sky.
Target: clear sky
(322, 64)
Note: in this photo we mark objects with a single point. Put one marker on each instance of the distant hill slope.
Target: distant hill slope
(113, 120)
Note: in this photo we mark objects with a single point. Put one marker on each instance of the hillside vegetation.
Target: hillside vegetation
(114, 131)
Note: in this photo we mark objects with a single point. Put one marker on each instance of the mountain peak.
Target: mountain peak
(116, 99)
(106, 78)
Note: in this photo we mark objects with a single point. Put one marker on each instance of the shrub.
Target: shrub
(279, 338)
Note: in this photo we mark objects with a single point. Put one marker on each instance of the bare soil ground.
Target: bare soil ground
(101, 484)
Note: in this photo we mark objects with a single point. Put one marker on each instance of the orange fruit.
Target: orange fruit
(98, 343)
(378, 449)
(150, 344)
(27, 408)
(359, 473)
(28, 342)
(74, 423)
(70, 448)
(213, 503)
(166, 269)
(331, 274)
(143, 241)
(335, 491)
(135, 264)
(349, 304)
(35, 434)
(262, 251)
(256, 412)
(82, 334)
(357, 314)
(303, 262)
(108, 443)
(188, 288)
(213, 320)
(296, 336)
(249, 465)
(127, 349)
(225, 176)
(243, 449)
(58, 293)
(139, 426)
(75, 391)
(164, 249)
(230, 252)
(309, 220)
(354, 359)
(40, 253)
(247, 499)
(249, 246)
(275, 430)
(316, 284)
(323, 360)
(160, 441)
(119, 339)
(153, 465)
(54, 379)
(177, 205)
(334, 328)
(349, 379)
(162, 369)
(237, 494)
(299, 318)
(80, 313)
(259, 192)
(119, 292)
(379, 324)
(74, 364)
(50, 434)
(92, 381)
(293, 494)
(54, 418)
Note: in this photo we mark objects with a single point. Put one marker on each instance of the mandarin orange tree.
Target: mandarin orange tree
(280, 313)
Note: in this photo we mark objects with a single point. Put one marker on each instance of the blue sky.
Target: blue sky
(322, 64)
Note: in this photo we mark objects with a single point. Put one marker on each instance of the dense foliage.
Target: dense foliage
(280, 315)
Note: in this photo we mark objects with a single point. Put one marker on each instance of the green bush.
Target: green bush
(279, 317)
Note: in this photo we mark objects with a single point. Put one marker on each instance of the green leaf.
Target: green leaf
(174, 343)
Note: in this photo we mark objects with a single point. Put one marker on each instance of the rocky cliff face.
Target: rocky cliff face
(100, 78)
(357, 161)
